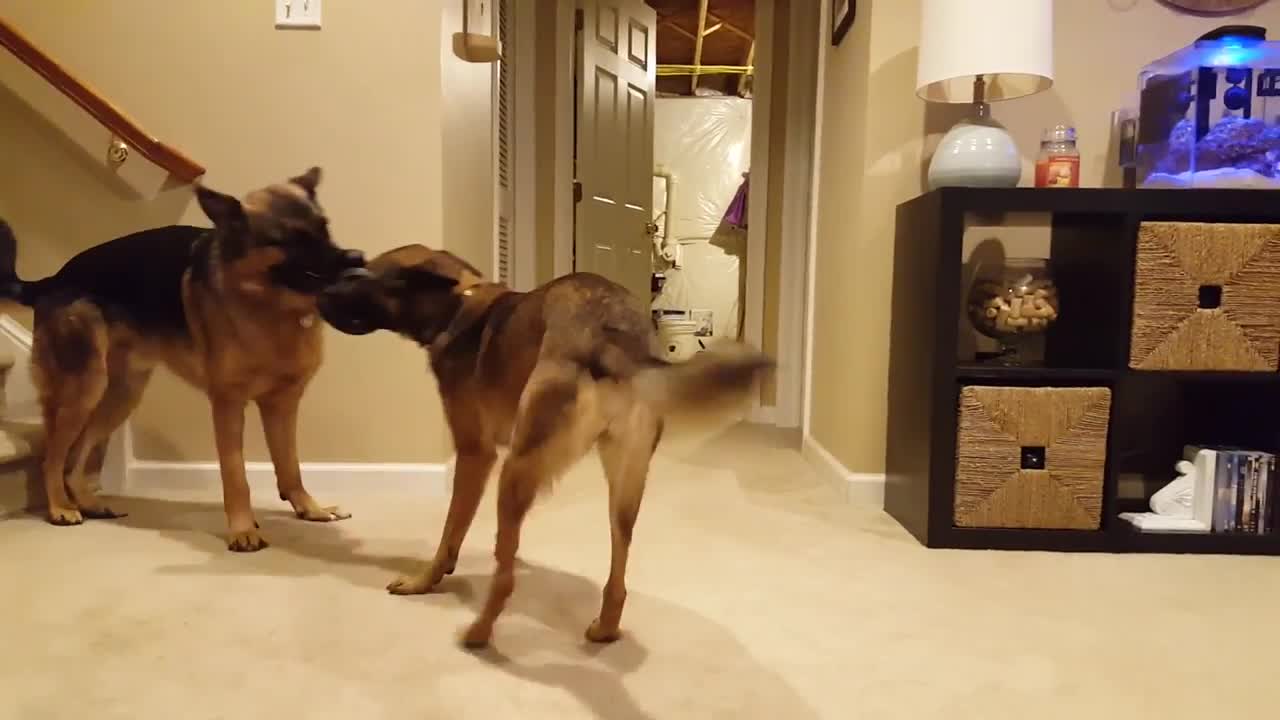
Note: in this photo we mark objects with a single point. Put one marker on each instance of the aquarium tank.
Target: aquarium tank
(1208, 114)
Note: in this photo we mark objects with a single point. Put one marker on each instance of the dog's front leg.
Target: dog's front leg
(228, 429)
(279, 412)
(470, 475)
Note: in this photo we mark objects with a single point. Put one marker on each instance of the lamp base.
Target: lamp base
(977, 152)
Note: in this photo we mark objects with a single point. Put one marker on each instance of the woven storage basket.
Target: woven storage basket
(1000, 428)
(1183, 271)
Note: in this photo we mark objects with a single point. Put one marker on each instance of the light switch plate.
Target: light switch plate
(303, 14)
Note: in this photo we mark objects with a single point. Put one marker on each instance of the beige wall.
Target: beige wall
(467, 218)
(876, 141)
(361, 98)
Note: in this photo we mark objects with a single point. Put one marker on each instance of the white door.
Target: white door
(616, 79)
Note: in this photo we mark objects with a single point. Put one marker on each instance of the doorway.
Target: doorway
(733, 259)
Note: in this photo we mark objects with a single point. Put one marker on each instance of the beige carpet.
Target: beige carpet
(755, 593)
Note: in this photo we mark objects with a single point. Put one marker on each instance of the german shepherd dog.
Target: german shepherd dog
(549, 374)
(231, 309)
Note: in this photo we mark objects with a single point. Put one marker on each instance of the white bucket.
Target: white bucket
(679, 343)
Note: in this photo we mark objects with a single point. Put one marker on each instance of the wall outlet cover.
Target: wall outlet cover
(298, 14)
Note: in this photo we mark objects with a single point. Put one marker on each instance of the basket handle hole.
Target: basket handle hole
(1210, 297)
(1033, 458)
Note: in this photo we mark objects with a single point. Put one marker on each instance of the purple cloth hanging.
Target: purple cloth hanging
(736, 214)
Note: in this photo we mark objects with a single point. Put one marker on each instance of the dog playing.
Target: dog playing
(548, 374)
(231, 310)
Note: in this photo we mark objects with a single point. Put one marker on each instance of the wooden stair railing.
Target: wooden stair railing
(121, 126)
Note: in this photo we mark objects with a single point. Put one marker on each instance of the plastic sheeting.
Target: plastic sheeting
(704, 145)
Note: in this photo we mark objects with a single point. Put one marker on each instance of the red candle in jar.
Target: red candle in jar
(1058, 165)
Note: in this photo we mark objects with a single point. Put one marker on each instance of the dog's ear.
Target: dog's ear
(225, 211)
(309, 181)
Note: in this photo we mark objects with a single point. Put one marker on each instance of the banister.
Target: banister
(109, 116)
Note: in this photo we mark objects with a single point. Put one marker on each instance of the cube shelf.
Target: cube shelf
(1151, 281)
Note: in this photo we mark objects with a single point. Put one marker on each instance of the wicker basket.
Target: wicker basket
(1206, 297)
(1031, 457)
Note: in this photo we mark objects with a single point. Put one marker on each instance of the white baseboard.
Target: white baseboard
(858, 488)
(320, 477)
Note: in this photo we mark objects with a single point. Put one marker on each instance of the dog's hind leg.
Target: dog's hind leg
(626, 449)
(279, 412)
(124, 392)
(69, 369)
(558, 422)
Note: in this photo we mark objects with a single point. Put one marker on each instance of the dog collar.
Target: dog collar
(307, 320)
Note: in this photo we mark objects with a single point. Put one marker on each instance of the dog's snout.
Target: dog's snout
(353, 259)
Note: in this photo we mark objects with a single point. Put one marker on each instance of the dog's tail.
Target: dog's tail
(11, 286)
(712, 384)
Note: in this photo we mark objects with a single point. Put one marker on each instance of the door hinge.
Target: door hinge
(577, 191)
(579, 19)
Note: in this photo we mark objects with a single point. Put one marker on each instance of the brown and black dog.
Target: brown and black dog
(549, 374)
(231, 309)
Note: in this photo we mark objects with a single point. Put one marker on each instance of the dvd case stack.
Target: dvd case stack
(1245, 489)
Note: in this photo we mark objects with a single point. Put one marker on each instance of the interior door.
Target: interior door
(614, 147)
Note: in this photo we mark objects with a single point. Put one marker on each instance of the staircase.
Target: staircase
(109, 138)
(21, 442)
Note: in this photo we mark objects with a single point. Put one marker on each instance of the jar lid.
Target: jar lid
(1059, 133)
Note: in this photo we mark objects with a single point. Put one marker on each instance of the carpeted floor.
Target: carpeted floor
(754, 593)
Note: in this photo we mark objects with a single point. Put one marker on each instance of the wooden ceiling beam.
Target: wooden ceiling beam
(751, 59)
(721, 22)
(674, 26)
(697, 44)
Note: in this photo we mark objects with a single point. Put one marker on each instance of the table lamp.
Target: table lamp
(977, 52)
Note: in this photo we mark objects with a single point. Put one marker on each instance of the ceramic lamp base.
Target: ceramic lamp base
(977, 152)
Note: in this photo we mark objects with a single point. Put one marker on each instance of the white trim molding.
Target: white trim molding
(566, 42)
(403, 478)
(857, 488)
(811, 246)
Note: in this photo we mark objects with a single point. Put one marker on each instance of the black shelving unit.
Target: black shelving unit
(1153, 414)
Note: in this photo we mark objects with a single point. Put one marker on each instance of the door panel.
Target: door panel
(615, 142)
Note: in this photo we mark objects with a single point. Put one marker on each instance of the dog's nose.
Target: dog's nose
(353, 258)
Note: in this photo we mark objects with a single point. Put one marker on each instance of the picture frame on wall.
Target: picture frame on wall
(842, 12)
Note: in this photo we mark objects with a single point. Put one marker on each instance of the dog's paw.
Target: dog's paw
(247, 541)
(101, 512)
(598, 634)
(477, 636)
(322, 514)
(414, 583)
(65, 516)
(306, 508)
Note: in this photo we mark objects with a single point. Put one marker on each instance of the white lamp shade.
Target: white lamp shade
(1008, 41)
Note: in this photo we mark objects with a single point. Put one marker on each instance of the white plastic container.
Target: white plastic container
(679, 343)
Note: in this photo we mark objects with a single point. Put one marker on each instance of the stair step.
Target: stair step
(21, 443)
(19, 440)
